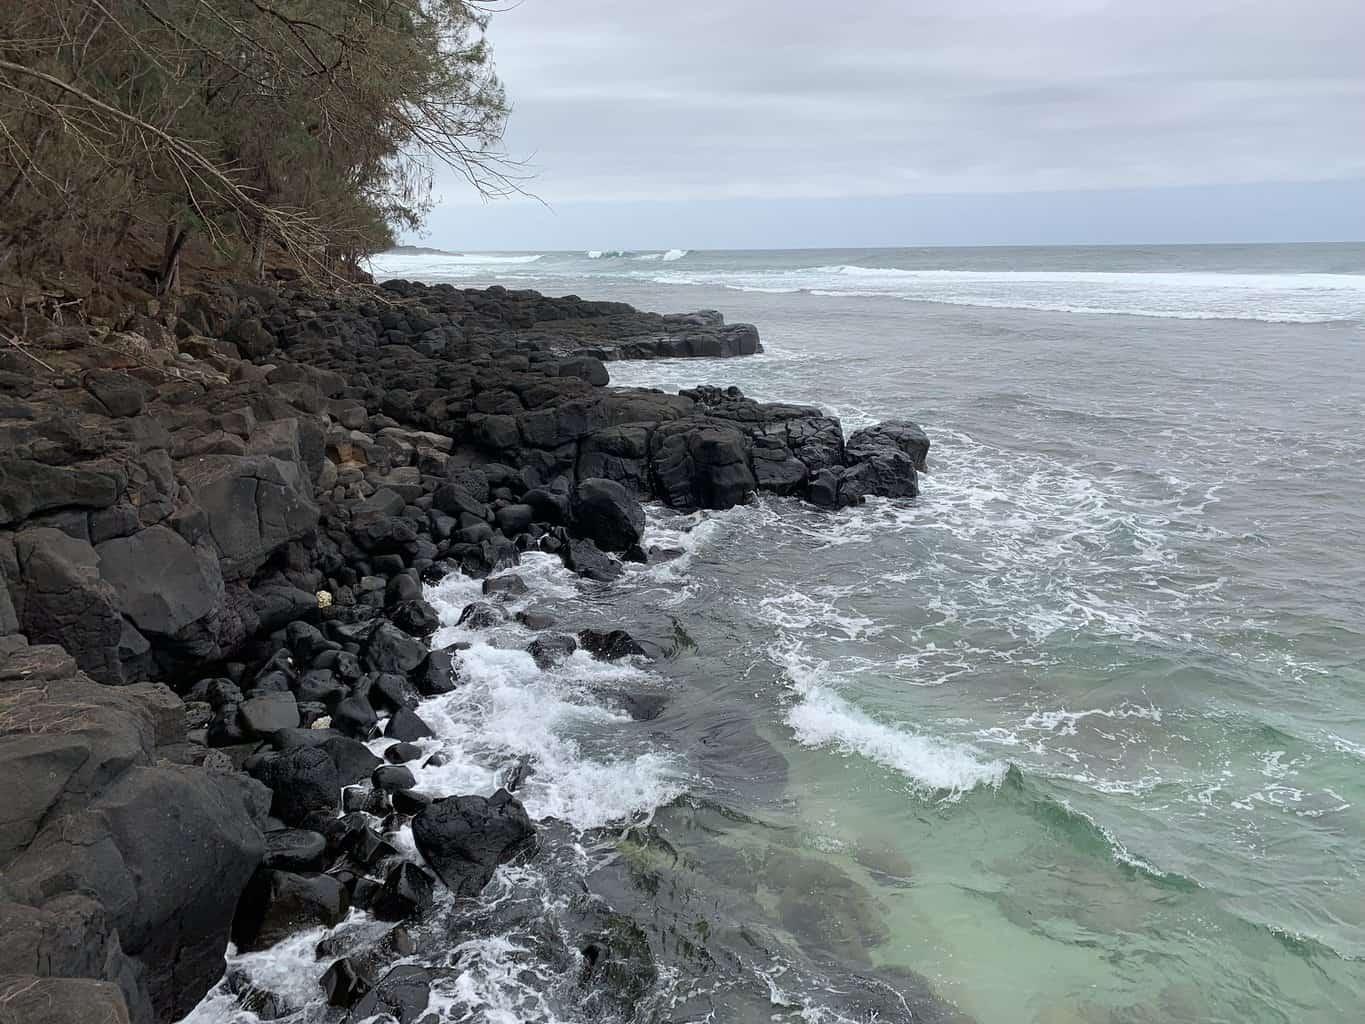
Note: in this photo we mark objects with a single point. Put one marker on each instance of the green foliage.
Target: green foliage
(308, 127)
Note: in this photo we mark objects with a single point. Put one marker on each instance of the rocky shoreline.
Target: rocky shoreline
(215, 530)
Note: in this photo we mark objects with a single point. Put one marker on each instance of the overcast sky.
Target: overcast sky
(729, 123)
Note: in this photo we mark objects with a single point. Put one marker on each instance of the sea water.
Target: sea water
(1076, 736)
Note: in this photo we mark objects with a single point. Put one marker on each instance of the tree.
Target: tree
(307, 128)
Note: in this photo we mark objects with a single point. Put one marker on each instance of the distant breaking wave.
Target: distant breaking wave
(1184, 295)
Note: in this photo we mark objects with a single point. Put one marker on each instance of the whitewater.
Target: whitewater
(1076, 735)
(1305, 284)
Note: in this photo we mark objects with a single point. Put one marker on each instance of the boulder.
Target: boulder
(64, 601)
(392, 650)
(481, 615)
(278, 903)
(28, 487)
(119, 394)
(166, 850)
(904, 435)
(607, 514)
(701, 463)
(268, 713)
(415, 618)
(407, 892)
(551, 648)
(609, 646)
(390, 778)
(31, 1000)
(293, 849)
(304, 782)
(587, 559)
(439, 674)
(344, 983)
(406, 725)
(465, 838)
(401, 995)
(254, 505)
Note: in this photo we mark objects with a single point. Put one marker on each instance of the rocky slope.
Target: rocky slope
(214, 530)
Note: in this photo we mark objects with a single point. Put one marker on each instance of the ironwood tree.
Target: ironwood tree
(309, 129)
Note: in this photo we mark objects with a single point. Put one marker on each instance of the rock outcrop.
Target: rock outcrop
(214, 536)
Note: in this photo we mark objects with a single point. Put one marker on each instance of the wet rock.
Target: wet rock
(607, 514)
(585, 558)
(402, 753)
(905, 435)
(293, 849)
(643, 707)
(464, 838)
(550, 649)
(355, 717)
(416, 618)
(510, 585)
(535, 618)
(407, 892)
(344, 984)
(701, 463)
(402, 994)
(481, 615)
(609, 646)
(392, 650)
(439, 674)
(392, 777)
(408, 726)
(279, 903)
(304, 781)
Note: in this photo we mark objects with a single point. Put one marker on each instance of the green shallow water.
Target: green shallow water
(1077, 736)
(1133, 579)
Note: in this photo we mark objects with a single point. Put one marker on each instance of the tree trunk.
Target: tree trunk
(258, 250)
(170, 260)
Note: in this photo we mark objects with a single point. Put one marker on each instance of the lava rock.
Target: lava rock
(585, 558)
(293, 849)
(407, 725)
(270, 712)
(510, 585)
(402, 994)
(607, 514)
(392, 777)
(465, 838)
(279, 903)
(416, 618)
(550, 649)
(392, 650)
(343, 984)
(481, 615)
(609, 646)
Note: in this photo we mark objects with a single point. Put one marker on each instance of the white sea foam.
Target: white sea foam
(506, 708)
(1291, 298)
(822, 717)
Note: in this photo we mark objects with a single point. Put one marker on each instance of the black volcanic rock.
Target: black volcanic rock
(607, 514)
(464, 838)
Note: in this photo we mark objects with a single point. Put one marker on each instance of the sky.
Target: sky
(789, 123)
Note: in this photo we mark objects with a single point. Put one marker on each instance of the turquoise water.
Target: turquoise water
(1077, 736)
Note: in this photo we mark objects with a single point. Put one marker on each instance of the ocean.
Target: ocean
(1076, 736)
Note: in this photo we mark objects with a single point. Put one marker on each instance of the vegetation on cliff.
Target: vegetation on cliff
(137, 133)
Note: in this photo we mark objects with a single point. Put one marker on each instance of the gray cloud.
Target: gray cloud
(793, 98)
